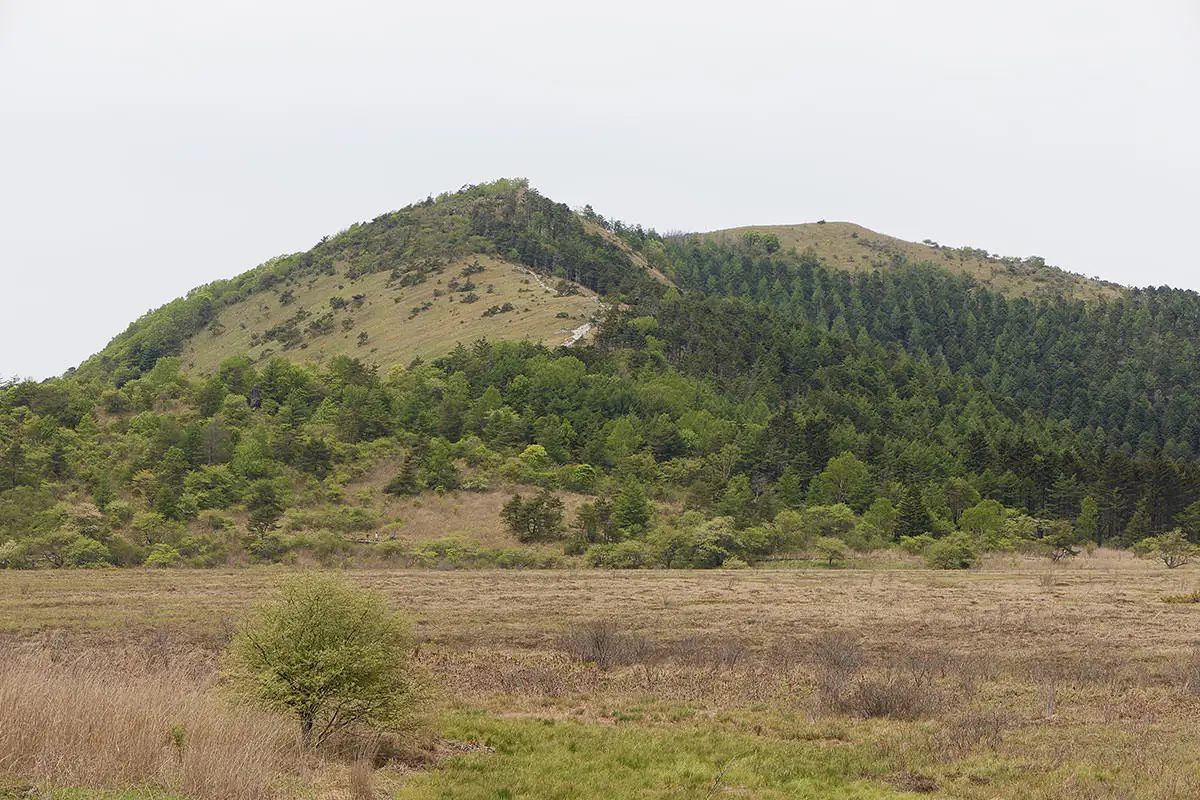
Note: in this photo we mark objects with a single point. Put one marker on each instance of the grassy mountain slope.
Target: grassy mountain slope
(433, 240)
(844, 245)
(378, 319)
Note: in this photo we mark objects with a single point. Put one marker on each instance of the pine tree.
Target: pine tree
(914, 518)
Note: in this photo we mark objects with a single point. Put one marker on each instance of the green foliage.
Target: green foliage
(1087, 524)
(983, 519)
(265, 506)
(760, 382)
(693, 544)
(631, 510)
(836, 522)
(845, 480)
(956, 551)
(1060, 540)
(913, 518)
(834, 551)
(163, 555)
(916, 545)
(622, 555)
(882, 516)
(1171, 548)
(538, 519)
(330, 654)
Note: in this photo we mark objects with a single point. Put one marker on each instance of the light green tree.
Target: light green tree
(330, 654)
(845, 479)
(985, 518)
(832, 549)
(1172, 548)
(1088, 521)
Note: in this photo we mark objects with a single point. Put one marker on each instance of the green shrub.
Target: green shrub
(13, 555)
(956, 551)
(916, 545)
(163, 555)
(1171, 548)
(623, 555)
(85, 552)
(270, 548)
(330, 654)
(449, 551)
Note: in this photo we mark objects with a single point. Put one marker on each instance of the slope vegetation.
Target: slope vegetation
(393, 255)
(750, 403)
(846, 246)
(389, 318)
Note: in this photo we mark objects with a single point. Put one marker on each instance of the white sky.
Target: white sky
(147, 147)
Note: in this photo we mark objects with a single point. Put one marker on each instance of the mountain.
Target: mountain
(739, 394)
(496, 259)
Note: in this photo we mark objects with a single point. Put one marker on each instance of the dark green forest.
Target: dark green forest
(762, 404)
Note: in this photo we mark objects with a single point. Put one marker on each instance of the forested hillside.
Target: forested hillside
(753, 401)
(846, 246)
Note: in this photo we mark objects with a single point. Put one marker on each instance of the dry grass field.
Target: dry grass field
(1014, 680)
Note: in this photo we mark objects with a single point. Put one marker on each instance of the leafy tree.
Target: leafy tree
(594, 523)
(827, 521)
(737, 500)
(1087, 524)
(1061, 539)
(441, 469)
(538, 519)
(986, 518)
(960, 495)
(330, 654)
(956, 551)
(833, 550)
(882, 516)
(265, 506)
(1171, 548)
(845, 479)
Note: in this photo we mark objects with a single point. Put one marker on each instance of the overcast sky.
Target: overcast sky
(151, 146)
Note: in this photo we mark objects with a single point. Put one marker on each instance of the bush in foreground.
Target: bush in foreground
(333, 656)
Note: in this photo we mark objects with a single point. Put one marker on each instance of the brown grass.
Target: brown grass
(940, 669)
(103, 723)
(395, 336)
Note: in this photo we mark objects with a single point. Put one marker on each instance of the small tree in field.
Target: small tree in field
(832, 549)
(1060, 540)
(538, 519)
(1171, 548)
(330, 654)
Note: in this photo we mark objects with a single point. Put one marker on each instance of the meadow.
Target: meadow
(1017, 679)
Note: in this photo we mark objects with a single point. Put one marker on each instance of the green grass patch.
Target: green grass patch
(552, 758)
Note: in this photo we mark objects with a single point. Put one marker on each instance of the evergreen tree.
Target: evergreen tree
(913, 518)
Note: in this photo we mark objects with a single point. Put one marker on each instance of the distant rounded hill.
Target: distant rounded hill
(847, 246)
